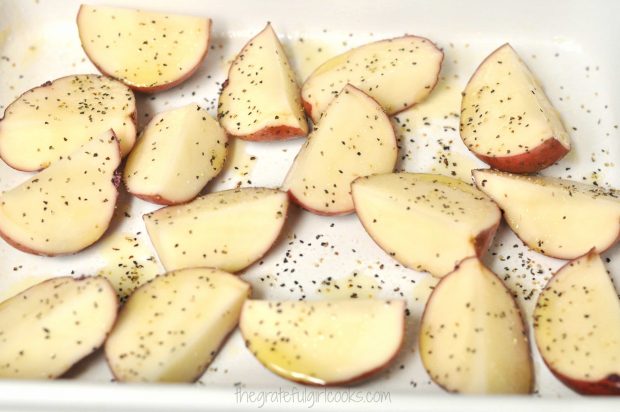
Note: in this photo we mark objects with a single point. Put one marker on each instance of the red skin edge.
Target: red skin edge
(217, 351)
(133, 117)
(541, 157)
(280, 234)
(308, 105)
(295, 200)
(160, 87)
(352, 381)
(516, 305)
(535, 247)
(116, 180)
(78, 279)
(272, 133)
(268, 134)
(348, 211)
(531, 161)
(609, 385)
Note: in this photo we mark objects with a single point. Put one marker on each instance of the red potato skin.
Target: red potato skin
(308, 106)
(116, 180)
(284, 220)
(531, 161)
(609, 385)
(604, 387)
(484, 239)
(159, 87)
(352, 381)
(133, 117)
(267, 134)
(535, 247)
(299, 203)
(274, 133)
(200, 373)
(523, 324)
(157, 199)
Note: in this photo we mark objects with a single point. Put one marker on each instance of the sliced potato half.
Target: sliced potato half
(148, 51)
(324, 343)
(228, 230)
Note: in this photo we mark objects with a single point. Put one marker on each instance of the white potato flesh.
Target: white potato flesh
(66, 207)
(324, 342)
(354, 138)
(49, 327)
(261, 99)
(147, 51)
(558, 218)
(178, 153)
(504, 110)
(397, 73)
(472, 337)
(577, 324)
(171, 328)
(427, 222)
(52, 121)
(228, 230)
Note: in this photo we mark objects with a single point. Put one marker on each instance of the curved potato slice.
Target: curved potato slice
(68, 206)
(170, 329)
(324, 343)
(147, 51)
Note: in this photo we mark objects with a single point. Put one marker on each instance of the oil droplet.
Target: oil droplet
(4, 35)
(423, 289)
(441, 109)
(239, 163)
(306, 55)
(356, 285)
(129, 263)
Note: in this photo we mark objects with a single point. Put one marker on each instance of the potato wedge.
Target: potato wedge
(228, 230)
(555, 217)
(577, 327)
(171, 328)
(397, 73)
(52, 121)
(472, 336)
(178, 153)
(354, 138)
(49, 327)
(261, 100)
(147, 51)
(68, 206)
(324, 343)
(410, 214)
(507, 121)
